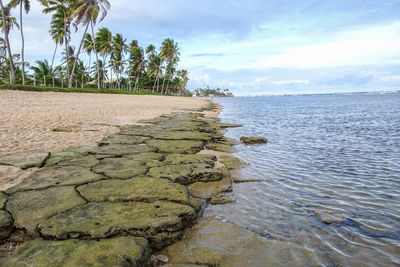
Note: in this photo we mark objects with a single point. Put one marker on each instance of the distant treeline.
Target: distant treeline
(210, 92)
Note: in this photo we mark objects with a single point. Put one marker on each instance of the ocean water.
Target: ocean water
(332, 158)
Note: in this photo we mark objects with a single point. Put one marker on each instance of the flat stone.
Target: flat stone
(81, 161)
(139, 189)
(61, 156)
(119, 251)
(6, 225)
(3, 199)
(25, 160)
(177, 159)
(120, 168)
(121, 149)
(33, 207)
(219, 147)
(182, 135)
(230, 162)
(213, 243)
(210, 189)
(328, 215)
(253, 140)
(160, 222)
(123, 139)
(186, 173)
(56, 176)
(176, 146)
(226, 125)
(222, 198)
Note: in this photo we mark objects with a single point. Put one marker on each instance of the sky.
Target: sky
(257, 47)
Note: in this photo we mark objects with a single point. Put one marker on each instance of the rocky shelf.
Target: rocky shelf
(116, 203)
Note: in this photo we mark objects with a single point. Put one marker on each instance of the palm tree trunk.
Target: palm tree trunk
(23, 43)
(162, 87)
(6, 31)
(54, 55)
(97, 57)
(136, 83)
(76, 58)
(66, 44)
(166, 90)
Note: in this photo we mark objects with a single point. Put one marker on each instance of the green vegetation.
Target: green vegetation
(209, 92)
(119, 65)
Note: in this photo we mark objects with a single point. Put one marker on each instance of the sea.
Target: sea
(330, 174)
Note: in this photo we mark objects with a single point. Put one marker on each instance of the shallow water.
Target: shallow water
(327, 155)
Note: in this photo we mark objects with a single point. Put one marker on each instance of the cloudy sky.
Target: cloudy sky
(259, 47)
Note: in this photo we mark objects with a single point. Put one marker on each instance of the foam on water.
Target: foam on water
(327, 155)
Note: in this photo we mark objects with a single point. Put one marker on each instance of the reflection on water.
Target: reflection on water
(331, 170)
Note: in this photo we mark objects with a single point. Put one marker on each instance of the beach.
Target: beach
(53, 121)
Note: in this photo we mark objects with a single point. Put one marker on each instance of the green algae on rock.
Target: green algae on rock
(56, 176)
(6, 225)
(176, 159)
(81, 161)
(176, 146)
(160, 222)
(138, 189)
(182, 135)
(3, 199)
(207, 190)
(253, 140)
(120, 168)
(121, 149)
(25, 160)
(122, 139)
(230, 162)
(33, 207)
(119, 251)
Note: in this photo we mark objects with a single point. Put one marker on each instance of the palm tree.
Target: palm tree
(42, 70)
(103, 41)
(6, 25)
(183, 74)
(87, 12)
(88, 46)
(23, 5)
(136, 62)
(150, 51)
(169, 53)
(64, 7)
(119, 47)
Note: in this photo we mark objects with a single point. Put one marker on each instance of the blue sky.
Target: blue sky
(259, 47)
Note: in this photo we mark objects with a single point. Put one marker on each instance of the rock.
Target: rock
(222, 198)
(230, 162)
(61, 156)
(226, 125)
(33, 207)
(176, 159)
(6, 225)
(328, 216)
(213, 243)
(186, 173)
(160, 222)
(123, 139)
(159, 260)
(81, 161)
(140, 188)
(3, 199)
(121, 149)
(209, 189)
(182, 135)
(56, 176)
(176, 146)
(146, 157)
(11, 176)
(119, 251)
(219, 147)
(253, 140)
(25, 160)
(120, 168)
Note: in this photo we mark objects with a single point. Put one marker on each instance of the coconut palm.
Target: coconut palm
(170, 54)
(136, 62)
(183, 74)
(103, 41)
(23, 5)
(87, 13)
(66, 8)
(150, 51)
(6, 24)
(88, 46)
(42, 70)
(119, 48)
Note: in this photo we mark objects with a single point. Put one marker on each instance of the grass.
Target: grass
(73, 90)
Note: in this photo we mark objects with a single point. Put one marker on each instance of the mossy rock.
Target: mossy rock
(253, 140)
(136, 130)
(119, 251)
(230, 162)
(56, 176)
(176, 159)
(160, 222)
(182, 135)
(139, 189)
(210, 189)
(81, 161)
(121, 149)
(219, 147)
(6, 225)
(122, 139)
(25, 160)
(33, 207)
(186, 173)
(3, 199)
(57, 157)
(120, 168)
(222, 125)
(176, 146)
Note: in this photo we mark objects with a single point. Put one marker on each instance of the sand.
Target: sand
(54, 121)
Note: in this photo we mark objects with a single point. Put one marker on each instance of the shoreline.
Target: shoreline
(204, 184)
